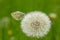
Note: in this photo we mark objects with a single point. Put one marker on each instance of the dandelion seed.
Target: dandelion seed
(17, 15)
(36, 24)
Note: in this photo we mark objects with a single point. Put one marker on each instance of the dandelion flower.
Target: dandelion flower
(36, 24)
(9, 32)
(17, 15)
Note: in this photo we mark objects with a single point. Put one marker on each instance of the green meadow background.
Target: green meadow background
(10, 30)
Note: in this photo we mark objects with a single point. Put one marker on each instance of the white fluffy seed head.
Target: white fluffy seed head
(36, 24)
(5, 21)
(52, 15)
(17, 15)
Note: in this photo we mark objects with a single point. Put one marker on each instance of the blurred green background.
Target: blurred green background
(10, 29)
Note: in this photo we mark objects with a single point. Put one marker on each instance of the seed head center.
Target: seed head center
(35, 24)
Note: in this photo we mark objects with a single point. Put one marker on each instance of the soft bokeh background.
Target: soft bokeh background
(10, 28)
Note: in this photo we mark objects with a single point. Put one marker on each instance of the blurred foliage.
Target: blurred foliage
(12, 30)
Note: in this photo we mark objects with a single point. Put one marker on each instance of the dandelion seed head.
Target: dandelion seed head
(36, 24)
(12, 38)
(17, 15)
(5, 21)
(52, 15)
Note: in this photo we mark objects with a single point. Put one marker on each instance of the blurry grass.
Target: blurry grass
(47, 6)
(0, 34)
